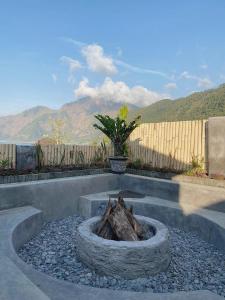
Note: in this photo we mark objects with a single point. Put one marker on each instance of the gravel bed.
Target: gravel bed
(195, 263)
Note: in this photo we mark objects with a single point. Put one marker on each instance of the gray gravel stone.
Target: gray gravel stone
(195, 264)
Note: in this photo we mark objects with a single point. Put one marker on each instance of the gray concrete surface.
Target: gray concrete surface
(181, 192)
(62, 197)
(19, 281)
(121, 258)
(50, 175)
(57, 197)
(15, 285)
(178, 177)
(216, 146)
(209, 224)
(16, 227)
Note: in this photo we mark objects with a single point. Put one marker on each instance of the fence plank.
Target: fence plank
(169, 144)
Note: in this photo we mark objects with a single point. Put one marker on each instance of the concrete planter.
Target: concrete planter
(118, 164)
(121, 258)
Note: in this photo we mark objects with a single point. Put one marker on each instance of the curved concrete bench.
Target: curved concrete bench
(62, 197)
(209, 224)
(19, 281)
(16, 227)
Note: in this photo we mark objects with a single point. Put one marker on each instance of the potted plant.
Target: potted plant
(117, 130)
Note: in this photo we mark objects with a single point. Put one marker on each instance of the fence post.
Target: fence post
(216, 147)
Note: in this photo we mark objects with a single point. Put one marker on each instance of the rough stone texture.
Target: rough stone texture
(25, 157)
(216, 146)
(122, 258)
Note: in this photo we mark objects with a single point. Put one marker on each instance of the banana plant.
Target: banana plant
(117, 130)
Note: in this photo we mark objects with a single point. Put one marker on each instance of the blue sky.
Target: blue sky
(53, 52)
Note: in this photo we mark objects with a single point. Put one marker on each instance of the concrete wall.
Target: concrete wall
(199, 196)
(56, 197)
(216, 146)
(61, 197)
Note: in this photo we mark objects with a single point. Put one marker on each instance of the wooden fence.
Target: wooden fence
(7, 155)
(171, 145)
(73, 154)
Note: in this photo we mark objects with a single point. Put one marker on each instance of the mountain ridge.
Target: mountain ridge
(197, 106)
(30, 125)
(78, 116)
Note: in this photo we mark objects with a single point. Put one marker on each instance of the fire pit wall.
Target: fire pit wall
(124, 259)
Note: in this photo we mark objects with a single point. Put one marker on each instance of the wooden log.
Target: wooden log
(121, 225)
(105, 230)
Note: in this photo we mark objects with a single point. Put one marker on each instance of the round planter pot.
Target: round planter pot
(121, 258)
(118, 164)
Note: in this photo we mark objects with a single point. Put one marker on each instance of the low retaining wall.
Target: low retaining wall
(56, 197)
(196, 195)
(50, 175)
(60, 197)
(178, 177)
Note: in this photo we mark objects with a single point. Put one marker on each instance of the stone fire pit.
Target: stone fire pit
(124, 258)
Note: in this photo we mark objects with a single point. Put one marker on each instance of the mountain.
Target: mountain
(201, 105)
(78, 117)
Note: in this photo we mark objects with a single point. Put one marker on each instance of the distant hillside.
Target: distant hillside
(78, 117)
(197, 106)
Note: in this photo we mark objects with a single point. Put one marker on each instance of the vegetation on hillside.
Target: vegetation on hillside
(197, 106)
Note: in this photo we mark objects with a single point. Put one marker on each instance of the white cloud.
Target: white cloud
(202, 82)
(118, 91)
(170, 86)
(54, 77)
(140, 70)
(97, 61)
(72, 41)
(73, 64)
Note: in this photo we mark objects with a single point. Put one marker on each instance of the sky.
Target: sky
(57, 51)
